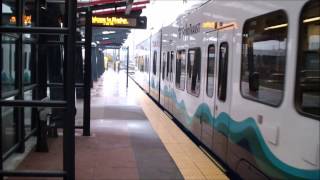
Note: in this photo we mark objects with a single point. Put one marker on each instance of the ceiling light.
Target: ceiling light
(43, 4)
(276, 26)
(105, 38)
(108, 32)
(311, 19)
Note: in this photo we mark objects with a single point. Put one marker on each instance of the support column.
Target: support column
(69, 115)
(19, 111)
(87, 74)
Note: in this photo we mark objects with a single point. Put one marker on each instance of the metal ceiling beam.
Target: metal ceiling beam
(129, 6)
(111, 5)
(138, 9)
(98, 2)
(102, 6)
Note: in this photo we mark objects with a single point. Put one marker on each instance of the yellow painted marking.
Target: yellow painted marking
(192, 162)
(214, 161)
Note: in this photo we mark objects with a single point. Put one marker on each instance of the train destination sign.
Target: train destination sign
(120, 21)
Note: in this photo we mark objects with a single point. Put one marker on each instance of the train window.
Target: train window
(180, 69)
(154, 63)
(307, 96)
(164, 62)
(146, 69)
(263, 63)
(143, 63)
(8, 63)
(140, 63)
(171, 65)
(148, 63)
(210, 69)
(168, 65)
(194, 71)
(223, 71)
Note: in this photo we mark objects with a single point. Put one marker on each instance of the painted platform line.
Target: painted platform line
(191, 161)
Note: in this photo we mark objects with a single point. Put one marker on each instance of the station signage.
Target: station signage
(188, 30)
(120, 21)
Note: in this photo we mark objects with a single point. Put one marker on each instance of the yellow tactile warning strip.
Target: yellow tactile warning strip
(191, 161)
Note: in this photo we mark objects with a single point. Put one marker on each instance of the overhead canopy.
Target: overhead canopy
(112, 37)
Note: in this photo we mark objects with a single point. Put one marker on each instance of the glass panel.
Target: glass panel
(171, 65)
(223, 71)
(28, 61)
(210, 70)
(168, 65)
(8, 51)
(8, 127)
(140, 63)
(146, 69)
(27, 113)
(8, 12)
(29, 13)
(180, 69)
(54, 65)
(154, 63)
(164, 64)
(194, 71)
(264, 58)
(308, 71)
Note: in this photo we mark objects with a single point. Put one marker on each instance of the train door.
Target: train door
(156, 67)
(162, 79)
(153, 77)
(209, 62)
(170, 79)
(222, 93)
(166, 79)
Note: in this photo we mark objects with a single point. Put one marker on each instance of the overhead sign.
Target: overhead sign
(120, 21)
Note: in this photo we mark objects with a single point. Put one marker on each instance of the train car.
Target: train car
(245, 82)
(155, 71)
(143, 64)
(167, 66)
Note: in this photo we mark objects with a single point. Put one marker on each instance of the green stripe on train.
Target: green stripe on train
(245, 130)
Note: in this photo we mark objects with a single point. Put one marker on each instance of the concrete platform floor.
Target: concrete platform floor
(124, 143)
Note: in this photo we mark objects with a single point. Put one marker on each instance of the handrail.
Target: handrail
(34, 103)
(34, 30)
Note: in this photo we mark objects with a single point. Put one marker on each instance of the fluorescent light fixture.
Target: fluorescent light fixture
(98, 42)
(105, 38)
(311, 19)
(276, 26)
(43, 4)
(108, 32)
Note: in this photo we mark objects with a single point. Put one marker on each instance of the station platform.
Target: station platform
(131, 138)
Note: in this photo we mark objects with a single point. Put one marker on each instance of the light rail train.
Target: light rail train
(244, 78)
